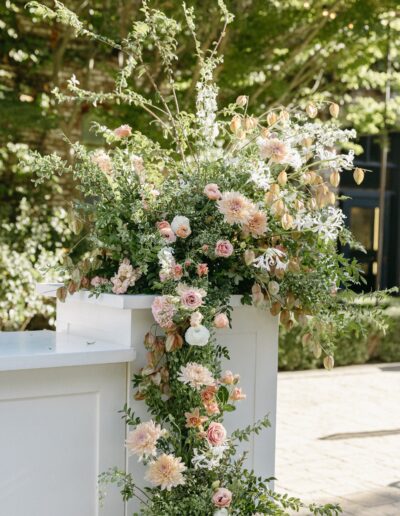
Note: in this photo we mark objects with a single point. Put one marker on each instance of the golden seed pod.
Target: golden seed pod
(173, 341)
(312, 204)
(331, 198)
(269, 198)
(284, 115)
(61, 294)
(249, 257)
(285, 316)
(334, 110)
(318, 180)
(293, 265)
(275, 189)
(236, 124)
(241, 134)
(265, 132)
(278, 207)
(317, 350)
(329, 362)
(275, 308)
(306, 339)
(334, 178)
(282, 178)
(272, 118)
(250, 123)
(298, 204)
(307, 178)
(358, 175)
(289, 324)
(290, 300)
(307, 142)
(287, 221)
(279, 273)
(311, 110)
(242, 100)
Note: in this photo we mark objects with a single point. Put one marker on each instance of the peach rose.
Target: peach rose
(216, 434)
(222, 497)
(208, 394)
(221, 321)
(123, 131)
(223, 248)
(237, 394)
(212, 408)
(202, 269)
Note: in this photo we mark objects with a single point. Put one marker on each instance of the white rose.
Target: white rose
(197, 335)
(221, 512)
(181, 226)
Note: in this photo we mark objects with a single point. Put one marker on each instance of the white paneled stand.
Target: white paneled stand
(60, 393)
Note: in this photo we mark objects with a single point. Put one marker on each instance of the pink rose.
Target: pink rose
(222, 497)
(188, 263)
(212, 192)
(221, 321)
(123, 131)
(202, 269)
(168, 234)
(216, 434)
(191, 299)
(223, 248)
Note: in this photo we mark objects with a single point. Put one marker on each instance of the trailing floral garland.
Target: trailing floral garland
(231, 204)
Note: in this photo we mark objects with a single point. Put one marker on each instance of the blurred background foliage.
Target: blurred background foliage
(277, 52)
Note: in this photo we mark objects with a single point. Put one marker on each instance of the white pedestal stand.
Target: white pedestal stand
(60, 393)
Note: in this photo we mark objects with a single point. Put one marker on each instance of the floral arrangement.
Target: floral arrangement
(227, 203)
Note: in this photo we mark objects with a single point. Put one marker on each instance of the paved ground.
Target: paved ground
(338, 437)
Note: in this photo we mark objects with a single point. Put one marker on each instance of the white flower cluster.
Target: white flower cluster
(327, 222)
(210, 458)
(206, 105)
(271, 258)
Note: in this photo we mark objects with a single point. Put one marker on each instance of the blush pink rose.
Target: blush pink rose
(123, 131)
(163, 224)
(177, 271)
(221, 321)
(237, 394)
(216, 434)
(191, 299)
(222, 497)
(223, 248)
(168, 234)
(202, 269)
(212, 192)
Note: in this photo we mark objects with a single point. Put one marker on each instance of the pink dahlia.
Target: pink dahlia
(166, 472)
(274, 149)
(195, 375)
(103, 161)
(143, 440)
(235, 208)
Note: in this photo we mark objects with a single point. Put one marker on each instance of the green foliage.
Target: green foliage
(372, 335)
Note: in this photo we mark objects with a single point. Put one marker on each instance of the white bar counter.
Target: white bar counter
(44, 349)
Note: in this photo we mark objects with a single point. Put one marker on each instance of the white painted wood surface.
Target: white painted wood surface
(59, 428)
(62, 424)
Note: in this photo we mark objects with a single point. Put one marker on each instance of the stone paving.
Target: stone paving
(338, 437)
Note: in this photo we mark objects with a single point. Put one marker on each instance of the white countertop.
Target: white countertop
(124, 301)
(44, 349)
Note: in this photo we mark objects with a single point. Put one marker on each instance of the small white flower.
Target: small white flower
(197, 335)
